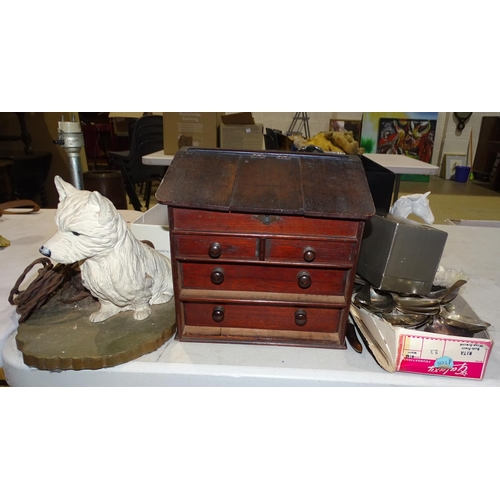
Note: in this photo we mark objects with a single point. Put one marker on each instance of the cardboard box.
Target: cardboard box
(242, 137)
(400, 255)
(121, 121)
(153, 226)
(398, 349)
(189, 129)
(238, 119)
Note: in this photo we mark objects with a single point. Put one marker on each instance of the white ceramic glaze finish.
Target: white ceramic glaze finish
(416, 204)
(119, 270)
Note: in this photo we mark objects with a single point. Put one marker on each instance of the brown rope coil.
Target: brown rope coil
(45, 286)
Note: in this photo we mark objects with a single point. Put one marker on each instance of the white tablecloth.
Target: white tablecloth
(402, 164)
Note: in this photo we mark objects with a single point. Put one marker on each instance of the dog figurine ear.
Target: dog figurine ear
(101, 204)
(63, 188)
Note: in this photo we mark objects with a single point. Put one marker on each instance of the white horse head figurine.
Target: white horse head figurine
(417, 204)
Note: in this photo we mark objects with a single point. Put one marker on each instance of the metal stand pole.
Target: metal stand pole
(71, 139)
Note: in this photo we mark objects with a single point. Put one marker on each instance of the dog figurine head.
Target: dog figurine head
(86, 222)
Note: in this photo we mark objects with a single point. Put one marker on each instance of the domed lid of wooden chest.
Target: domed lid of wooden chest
(271, 182)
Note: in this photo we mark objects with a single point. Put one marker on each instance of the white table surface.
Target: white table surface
(402, 164)
(475, 250)
(399, 164)
(158, 158)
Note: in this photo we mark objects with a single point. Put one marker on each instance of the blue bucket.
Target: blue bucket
(462, 173)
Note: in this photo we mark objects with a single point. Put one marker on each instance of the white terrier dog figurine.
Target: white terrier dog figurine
(123, 273)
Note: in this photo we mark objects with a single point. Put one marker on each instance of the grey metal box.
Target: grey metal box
(400, 255)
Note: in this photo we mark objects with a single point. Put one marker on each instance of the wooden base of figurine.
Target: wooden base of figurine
(61, 337)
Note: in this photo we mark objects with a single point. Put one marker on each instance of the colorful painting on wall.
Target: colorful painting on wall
(371, 123)
(413, 138)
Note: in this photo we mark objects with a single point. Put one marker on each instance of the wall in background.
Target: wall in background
(457, 141)
(318, 122)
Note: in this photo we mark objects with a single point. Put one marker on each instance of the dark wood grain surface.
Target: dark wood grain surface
(321, 185)
(268, 184)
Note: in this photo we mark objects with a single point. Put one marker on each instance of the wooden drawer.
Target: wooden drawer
(310, 251)
(216, 247)
(262, 278)
(239, 223)
(261, 317)
(227, 247)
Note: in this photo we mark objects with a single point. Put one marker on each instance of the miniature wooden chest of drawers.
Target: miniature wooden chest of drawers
(264, 244)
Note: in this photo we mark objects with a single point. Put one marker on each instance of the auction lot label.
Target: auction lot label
(463, 358)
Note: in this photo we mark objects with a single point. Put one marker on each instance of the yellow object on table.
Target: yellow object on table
(4, 242)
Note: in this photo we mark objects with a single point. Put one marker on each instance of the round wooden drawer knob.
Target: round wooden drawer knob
(218, 314)
(309, 254)
(304, 279)
(215, 250)
(300, 317)
(217, 276)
